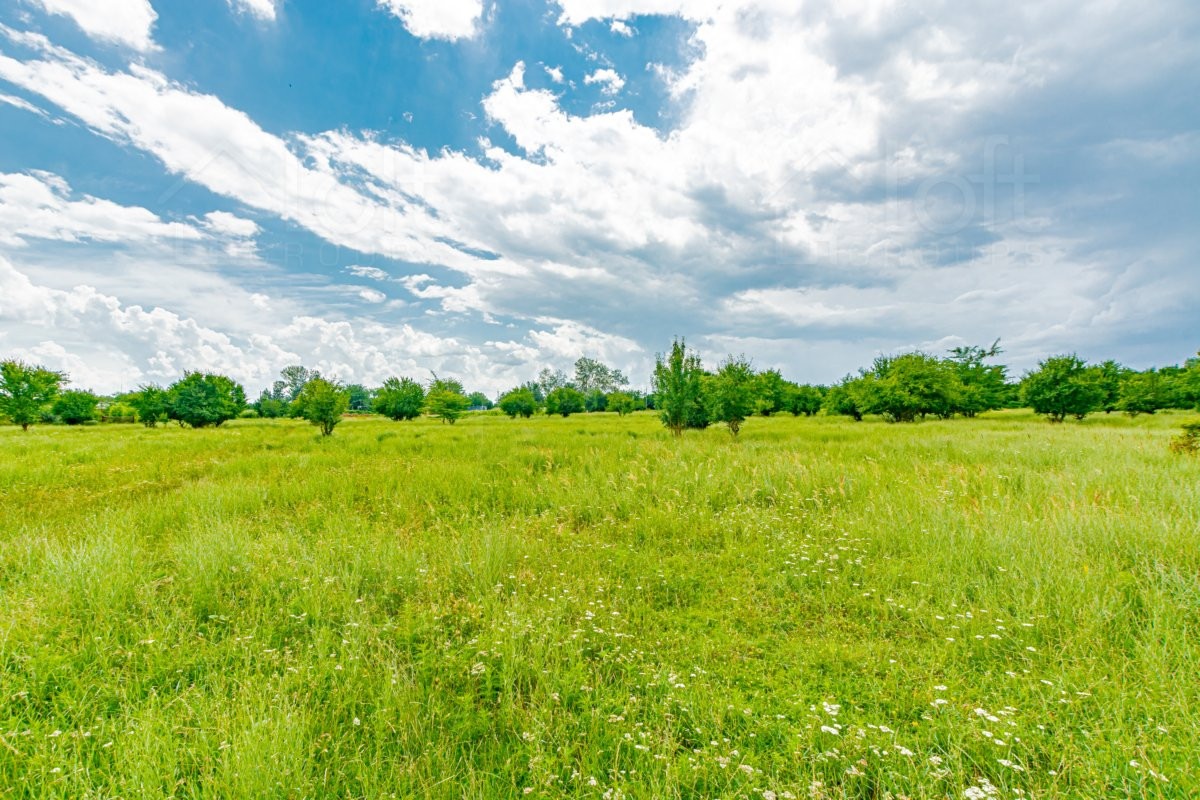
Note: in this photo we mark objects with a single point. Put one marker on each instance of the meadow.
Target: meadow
(588, 608)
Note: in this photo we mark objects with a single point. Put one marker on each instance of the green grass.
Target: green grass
(587, 608)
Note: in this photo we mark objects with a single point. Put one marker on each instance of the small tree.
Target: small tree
(25, 390)
(1062, 386)
(565, 401)
(804, 400)
(843, 399)
(150, 403)
(1188, 442)
(620, 402)
(360, 397)
(76, 407)
(595, 400)
(202, 399)
(677, 387)
(479, 400)
(322, 403)
(519, 403)
(446, 404)
(731, 395)
(400, 399)
(1142, 393)
(770, 392)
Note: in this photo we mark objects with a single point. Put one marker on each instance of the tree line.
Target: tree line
(904, 388)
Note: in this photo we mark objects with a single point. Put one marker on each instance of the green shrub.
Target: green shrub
(1188, 442)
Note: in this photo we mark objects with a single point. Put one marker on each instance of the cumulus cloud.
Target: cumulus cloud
(125, 22)
(610, 82)
(437, 19)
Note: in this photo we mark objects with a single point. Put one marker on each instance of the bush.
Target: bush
(150, 402)
(620, 402)
(119, 413)
(76, 407)
(565, 401)
(25, 391)
(322, 403)
(399, 399)
(445, 403)
(730, 394)
(519, 403)
(202, 399)
(249, 413)
(1063, 386)
(1188, 442)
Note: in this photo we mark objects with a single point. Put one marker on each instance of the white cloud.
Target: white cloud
(621, 28)
(371, 295)
(226, 224)
(374, 273)
(437, 19)
(555, 73)
(262, 9)
(126, 22)
(39, 205)
(610, 81)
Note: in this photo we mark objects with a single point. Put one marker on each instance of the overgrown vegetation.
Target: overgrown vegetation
(588, 606)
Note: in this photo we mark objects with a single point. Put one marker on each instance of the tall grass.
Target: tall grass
(585, 607)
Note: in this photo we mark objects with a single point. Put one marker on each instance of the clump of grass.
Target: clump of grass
(972, 608)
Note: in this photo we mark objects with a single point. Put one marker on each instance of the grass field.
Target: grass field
(586, 608)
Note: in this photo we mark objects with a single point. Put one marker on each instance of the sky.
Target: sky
(484, 188)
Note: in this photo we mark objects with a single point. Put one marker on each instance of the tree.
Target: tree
(1062, 386)
(203, 399)
(360, 397)
(550, 379)
(840, 400)
(445, 403)
(150, 403)
(620, 402)
(322, 403)
(591, 376)
(1142, 393)
(1109, 377)
(293, 379)
(595, 400)
(270, 405)
(984, 386)
(913, 385)
(731, 395)
(806, 400)
(770, 392)
(677, 387)
(519, 403)
(479, 400)
(565, 401)
(76, 407)
(399, 399)
(25, 389)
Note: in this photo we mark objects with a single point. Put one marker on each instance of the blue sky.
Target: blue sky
(487, 188)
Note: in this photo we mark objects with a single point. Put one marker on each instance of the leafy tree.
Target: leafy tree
(203, 399)
(677, 388)
(620, 402)
(1142, 393)
(270, 405)
(519, 403)
(595, 400)
(550, 379)
(984, 386)
(359, 397)
(844, 399)
(25, 390)
(118, 412)
(913, 385)
(1062, 386)
(445, 403)
(150, 402)
(770, 392)
(731, 393)
(399, 399)
(294, 378)
(806, 400)
(76, 407)
(322, 403)
(592, 376)
(479, 400)
(1109, 377)
(564, 401)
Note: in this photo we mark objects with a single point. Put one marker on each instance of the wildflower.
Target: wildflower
(828, 729)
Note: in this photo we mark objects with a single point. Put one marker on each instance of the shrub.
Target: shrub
(150, 402)
(564, 401)
(119, 413)
(620, 402)
(202, 399)
(400, 399)
(322, 403)
(249, 413)
(1062, 386)
(1188, 442)
(76, 407)
(519, 403)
